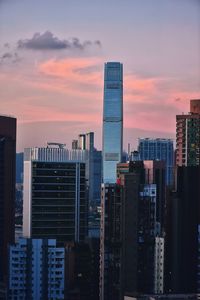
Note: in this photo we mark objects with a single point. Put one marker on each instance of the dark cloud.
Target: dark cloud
(7, 45)
(47, 41)
(6, 55)
(9, 57)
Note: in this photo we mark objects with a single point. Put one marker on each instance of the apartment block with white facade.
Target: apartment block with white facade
(36, 270)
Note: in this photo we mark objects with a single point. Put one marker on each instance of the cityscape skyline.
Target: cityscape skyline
(101, 204)
(52, 83)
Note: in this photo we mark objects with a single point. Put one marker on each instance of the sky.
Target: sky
(52, 55)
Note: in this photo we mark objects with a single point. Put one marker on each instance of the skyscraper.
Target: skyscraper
(188, 136)
(112, 120)
(55, 202)
(158, 149)
(7, 188)
(182, 233)
(128, 232)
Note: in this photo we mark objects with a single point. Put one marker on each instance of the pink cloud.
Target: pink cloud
(71, 90)
(72, 69)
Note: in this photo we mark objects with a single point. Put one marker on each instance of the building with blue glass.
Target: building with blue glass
(158, 149)
(112, 120)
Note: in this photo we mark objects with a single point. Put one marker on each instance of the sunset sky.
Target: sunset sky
(52, 55)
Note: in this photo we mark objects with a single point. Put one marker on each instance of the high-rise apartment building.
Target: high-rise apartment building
(128, 235)
(55, 202)
(188, 136)
(158, 149)
(36, 270)
(182, 233)
(153, 173)
(7, 189)
(112, 120)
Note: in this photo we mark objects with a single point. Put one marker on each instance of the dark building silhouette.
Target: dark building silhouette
(128, 235)
(82, 270)
(153, 173)
(7, 189)
(182, 233)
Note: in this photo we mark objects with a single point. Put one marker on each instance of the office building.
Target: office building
(55, 202)
(158, 149)
(7, 189)
(188, 136)
(112, 120)
(36, 270)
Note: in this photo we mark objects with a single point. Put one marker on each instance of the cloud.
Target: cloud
(9, 57)
(47, 41)
(7, 45)
(6, 55)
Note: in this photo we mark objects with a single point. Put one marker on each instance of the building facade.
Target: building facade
(55, 202)
(153, 173)
(7, 189)
(182, 233)
(159, 149)
(36, 270)
(159, 265)
(112, 120)
(82, 270)
(188, 136)
(128, 234)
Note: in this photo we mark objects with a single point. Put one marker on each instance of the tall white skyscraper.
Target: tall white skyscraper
(112, 120)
